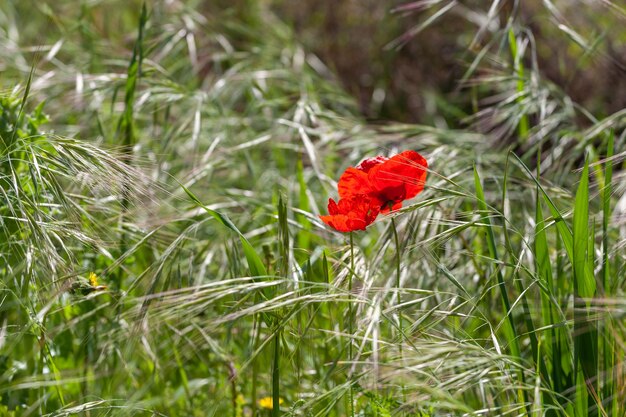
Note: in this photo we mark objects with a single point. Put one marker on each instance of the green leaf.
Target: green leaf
(585, 338)
(607, 337)
(585, 283)
(606, 215)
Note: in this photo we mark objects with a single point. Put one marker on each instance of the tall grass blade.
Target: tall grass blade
(607, 338)
(585, 340)
(126, 128)
(509, 328)
(556, 346)
(518, 67)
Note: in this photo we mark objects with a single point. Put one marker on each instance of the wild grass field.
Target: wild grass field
(164, 167)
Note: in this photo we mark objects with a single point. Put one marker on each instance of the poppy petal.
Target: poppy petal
(400, 178)
(353, 182)
(417, 169)
(369, 163)
(337, 222)
(356, 224)
(332, 207)
(353, 213)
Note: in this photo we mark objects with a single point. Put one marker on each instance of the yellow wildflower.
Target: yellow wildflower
(268, 402)
(93, 279)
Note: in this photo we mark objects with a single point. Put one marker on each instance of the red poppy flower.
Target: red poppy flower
(390, 181)
(353, 213)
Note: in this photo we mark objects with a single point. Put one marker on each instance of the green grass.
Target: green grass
(183, 155)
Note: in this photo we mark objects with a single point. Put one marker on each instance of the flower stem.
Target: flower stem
(350, 275)
(255, 364)
(398, 288)
(398, 285)
(276, 375)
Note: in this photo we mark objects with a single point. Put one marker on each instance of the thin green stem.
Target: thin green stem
(126, 130)
(398, 284)
(255, 364)
(351, 274)
(398, 288)
(276, 376)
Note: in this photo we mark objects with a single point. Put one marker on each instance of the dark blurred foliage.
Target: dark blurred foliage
(409, 83)
(419, 80)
